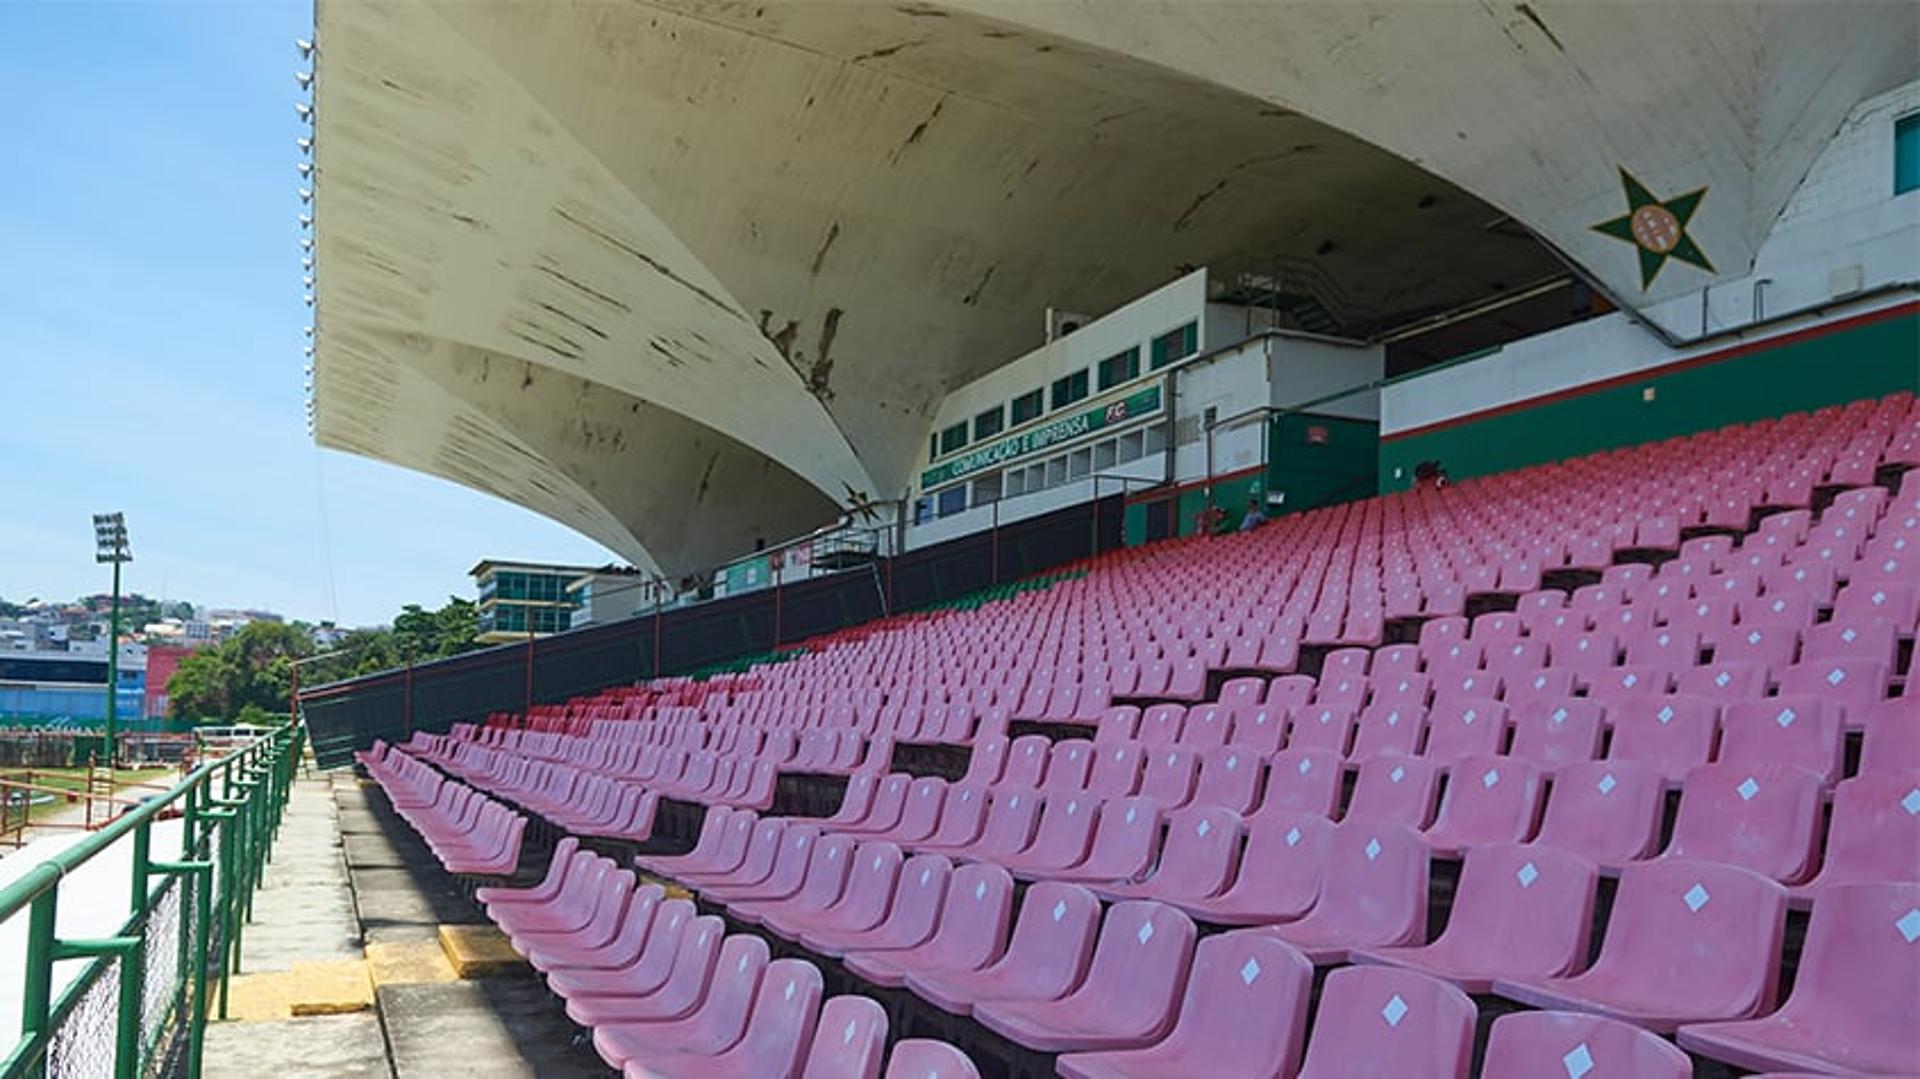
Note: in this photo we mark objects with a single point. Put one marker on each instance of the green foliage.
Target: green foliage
(418, 636)
(251, 669)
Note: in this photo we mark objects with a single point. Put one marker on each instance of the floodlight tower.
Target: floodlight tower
(110, 539)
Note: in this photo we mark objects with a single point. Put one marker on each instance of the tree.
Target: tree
(254, 667)
(423, 635)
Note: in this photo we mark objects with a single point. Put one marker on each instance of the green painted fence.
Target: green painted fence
(143, 999)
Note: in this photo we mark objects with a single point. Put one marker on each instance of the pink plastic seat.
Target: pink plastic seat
(1852, 1007)
(649, 968)
(1763, 817)
(909, 911)
(1026, 761)
(1784, 730)
(1671, 735)
(920, 1058)
(1459, 726)
(599, 1000)
(1323, 726)
(788, 871)
(1170, 776)
(963, 812)
(1045, 959)
(1526, 1045)
(1855, 686)
(711, 1028)
(777, 1036)
(558, 866)
(1261, 729)
(1116, 769)
(1117, 724)
(722, 843)
(1008, 827)
(1129, 996)
(1488, 800)
(1686, 942)
(1201, 853)
(969, 933)
(1518, 912)
(1608, 812)
(1412, 1027)
(856, 802)
(1892, 737)
(849, 1042)
(1372, 894)
(621, 949)
(1207, 726)
(1160, 724)
(889, 802)
(1126, 839)
(1229, 777)
(986, 761)
(1302, 781)
(1394, 729)
(1397, 790)
(1853, 636)
(1068, 764)
(1553, 733)
(859, 904)
(1723, 683)
(1234, 975)
(1874, 833)
(1290, 691)
(1278, 877)
(1061, 840)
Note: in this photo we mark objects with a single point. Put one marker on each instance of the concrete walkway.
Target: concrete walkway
(352, 893)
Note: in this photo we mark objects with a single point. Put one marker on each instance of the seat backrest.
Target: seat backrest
(1067, 765)
(1116, 769)
(889, 801)
(1389, 729)
(1261, 729)
(1230, 777)
(849, 1041)
(925, 800)
(1875, 830)
(721, 1020)
(1323, 726)
(870, 881)
(1375, 881)
(1606, 811)
(920, 1058)
(1234, 976)
(1859, 974)
(1713, 928)
(785, 1011)
(1526, 1045)
(1409, 1024)
(694, 963)
(1052, 939)
(962, 812)
(1010, 821)
(1302, 780)
(1026, 761)
(1139, 967)
(988, 761)
(1460, 726)
(1201, 853)
(1488, 800)
(1551, 732)
(973, 918)
(1160, 724)
(1285, 859)
(1125, 839)
(1398, 790)
(1671, 735)
(1207, 725)
(1117, 724)
(1170, 775)
(1530, 909)
(1786, 730)
(1764, 817)
(1066, 829)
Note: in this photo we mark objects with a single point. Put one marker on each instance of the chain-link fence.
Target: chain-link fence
(129, 998)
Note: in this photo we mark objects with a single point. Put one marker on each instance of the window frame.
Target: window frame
(981, 431)
(1077, 387)
(1130, 369)
(1038, 397)
(1188, 337)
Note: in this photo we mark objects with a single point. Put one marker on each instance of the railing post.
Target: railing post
(36, 1001)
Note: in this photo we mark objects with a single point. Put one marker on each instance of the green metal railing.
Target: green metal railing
(145, 993)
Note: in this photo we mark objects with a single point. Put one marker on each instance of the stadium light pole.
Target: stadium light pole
(110, 545)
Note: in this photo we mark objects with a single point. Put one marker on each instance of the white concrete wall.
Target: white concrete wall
(1305, 369)
(1229, 382)
(1843, 232)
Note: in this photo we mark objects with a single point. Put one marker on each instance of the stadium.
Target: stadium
(1177, 540)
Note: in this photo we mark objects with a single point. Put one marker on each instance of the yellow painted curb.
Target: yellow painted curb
(480, 951)
(333, 987)
(408, 963)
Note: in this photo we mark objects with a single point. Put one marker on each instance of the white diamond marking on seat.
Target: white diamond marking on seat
(1696, 898)
(1072, 808)
(1848, 634)
(1204, 828)
(1251, 971)
(1132, 812)
(1146, 932)
(980, 890)
(1492, 777)
(789, 992)
(1013, 802)
(1527, 875)
(1630, 680)
(1909, 925)
(1305, 766)
(741, 965)
(1393, 718)
(1373, 849)
(1785, 718)
(1606, 783)
(1666, 713)
(1836, 676)
(1233, 762)
(1559, 715)
(1911, 803)
(1293, 834)
(846, 1036)
(925, 875)
(1395, 1010)
(1059, 910)
(1879, 598)
(1578, 1062)
(1397, 774)
(1747, 789)
(1469, 716)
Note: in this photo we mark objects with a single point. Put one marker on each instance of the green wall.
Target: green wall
(1867, 360)
(1320, 460)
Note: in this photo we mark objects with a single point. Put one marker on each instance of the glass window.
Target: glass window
(1906, 154)
(989, 423)
(952, 500)
(1069, 389)
(1026, 407)
(1117, 369)
(933, 446)
(1176, 344)
(953, 438)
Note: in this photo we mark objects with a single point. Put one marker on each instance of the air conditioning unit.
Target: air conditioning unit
(1061, 323)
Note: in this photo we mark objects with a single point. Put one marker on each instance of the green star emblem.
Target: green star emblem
(1657, 228)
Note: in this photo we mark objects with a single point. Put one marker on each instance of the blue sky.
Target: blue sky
(150, 332)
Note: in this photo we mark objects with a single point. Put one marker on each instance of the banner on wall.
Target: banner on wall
(1142, 402)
